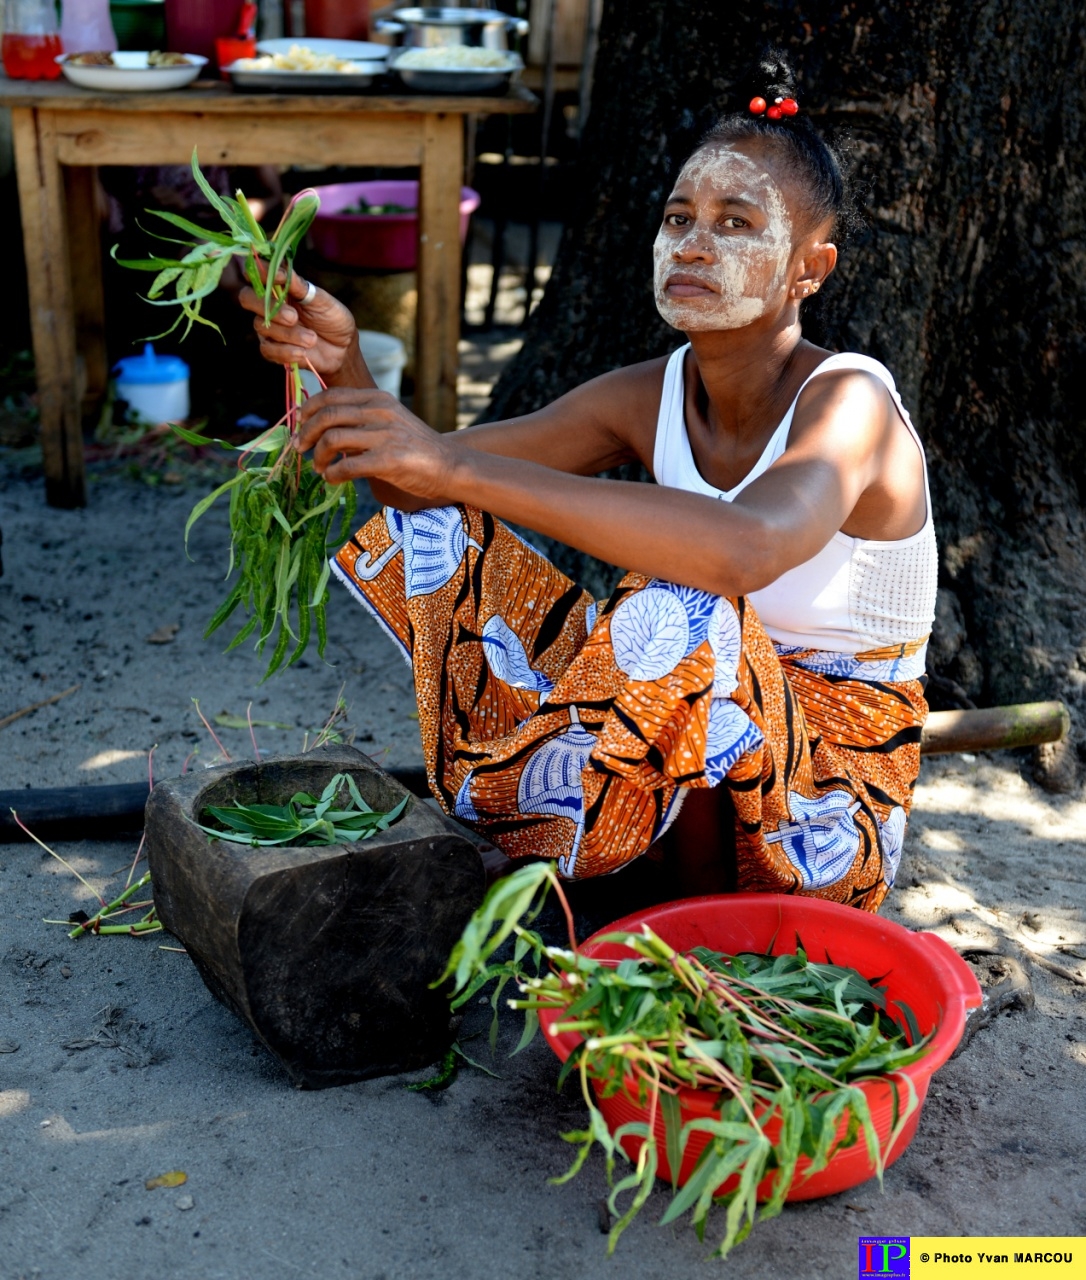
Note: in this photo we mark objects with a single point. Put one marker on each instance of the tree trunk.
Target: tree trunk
(967, 135)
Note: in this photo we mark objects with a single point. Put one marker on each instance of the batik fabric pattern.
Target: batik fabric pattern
(558, 727)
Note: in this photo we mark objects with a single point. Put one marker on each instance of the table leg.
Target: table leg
(437, 356)
(85, 250)
(52, 315)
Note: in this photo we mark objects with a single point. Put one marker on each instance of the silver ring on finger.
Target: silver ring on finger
(310, 294)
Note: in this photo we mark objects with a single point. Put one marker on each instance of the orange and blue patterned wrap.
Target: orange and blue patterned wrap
(558, 727)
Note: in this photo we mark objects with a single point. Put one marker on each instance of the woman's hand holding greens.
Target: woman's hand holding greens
(357, 433)
(321, 334)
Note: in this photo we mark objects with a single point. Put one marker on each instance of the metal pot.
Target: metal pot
(433, 27)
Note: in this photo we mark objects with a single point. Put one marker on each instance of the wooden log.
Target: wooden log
(74, 813)
(326, 953)
(1025, 724)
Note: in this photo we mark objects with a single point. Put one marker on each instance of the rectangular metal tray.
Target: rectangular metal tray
(306, 81)
(455, 80)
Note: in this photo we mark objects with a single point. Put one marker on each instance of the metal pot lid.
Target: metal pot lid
(446, 17)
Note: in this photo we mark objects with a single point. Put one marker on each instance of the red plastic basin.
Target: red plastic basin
(383, 240)
(918, 968)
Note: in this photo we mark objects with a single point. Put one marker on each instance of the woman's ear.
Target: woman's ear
(818, 261)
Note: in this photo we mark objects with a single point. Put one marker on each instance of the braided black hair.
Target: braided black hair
(817, 163)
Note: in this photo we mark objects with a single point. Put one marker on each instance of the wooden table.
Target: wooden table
(62, 133)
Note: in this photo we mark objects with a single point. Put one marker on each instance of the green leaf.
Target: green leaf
(673, 1131)
(910, 1021)
(206, 503)
(190, 436)
(223, 207)
(459, 1050)
(221, 614)
(531, 1026)
(201, 233)
(143, 264)
(267, 442)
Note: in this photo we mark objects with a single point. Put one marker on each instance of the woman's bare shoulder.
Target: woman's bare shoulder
(844, 403)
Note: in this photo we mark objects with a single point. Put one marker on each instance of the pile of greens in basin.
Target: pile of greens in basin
(780, 1042)
(338, 816)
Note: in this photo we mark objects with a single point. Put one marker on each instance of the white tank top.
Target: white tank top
(856, 595)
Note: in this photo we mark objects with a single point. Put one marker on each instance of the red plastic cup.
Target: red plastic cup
(229, 48)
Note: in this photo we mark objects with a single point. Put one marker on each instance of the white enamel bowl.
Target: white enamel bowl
(131, 74)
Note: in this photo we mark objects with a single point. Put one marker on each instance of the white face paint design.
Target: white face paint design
(741, 271)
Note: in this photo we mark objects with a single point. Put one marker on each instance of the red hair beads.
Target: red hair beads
(781, 107)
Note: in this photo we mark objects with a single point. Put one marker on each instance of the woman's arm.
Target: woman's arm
(779, 521)
(536, 470)
(607, 421)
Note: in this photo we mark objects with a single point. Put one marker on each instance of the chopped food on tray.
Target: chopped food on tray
(453, 57)
(298, 58)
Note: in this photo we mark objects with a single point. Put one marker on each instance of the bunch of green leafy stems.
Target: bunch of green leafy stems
(282, 512)
(782, 1040)
(305, 819)
(105, 921)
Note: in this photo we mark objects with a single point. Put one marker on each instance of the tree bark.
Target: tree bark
(966, 129)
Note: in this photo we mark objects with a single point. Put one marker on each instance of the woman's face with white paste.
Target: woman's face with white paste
(723, 250)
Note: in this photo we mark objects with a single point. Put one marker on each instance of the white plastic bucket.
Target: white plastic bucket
(385, 357)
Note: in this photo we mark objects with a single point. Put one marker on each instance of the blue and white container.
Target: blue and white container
(155, 387)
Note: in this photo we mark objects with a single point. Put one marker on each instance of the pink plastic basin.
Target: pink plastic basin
(384, 240)
(918, 968)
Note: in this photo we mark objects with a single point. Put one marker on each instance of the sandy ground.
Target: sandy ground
(126, 1067)
(116, 1064)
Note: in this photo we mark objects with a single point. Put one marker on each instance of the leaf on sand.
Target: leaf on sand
(164, 634)
(446, 1074)
(175, 1178)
